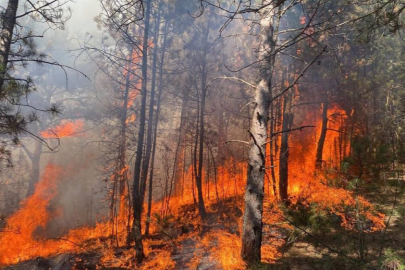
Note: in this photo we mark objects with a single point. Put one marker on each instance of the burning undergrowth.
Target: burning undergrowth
(177, 238)
(27, 231)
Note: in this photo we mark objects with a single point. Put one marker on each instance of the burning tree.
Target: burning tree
(272, 41)
(226, 131)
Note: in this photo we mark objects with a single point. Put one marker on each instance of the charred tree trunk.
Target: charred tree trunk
(322, 136)
(120, 174)
(148, 147)
(272, 152)
(176, 153)
(179, 172)
(284, 148)
(137, 192)
(123, 135)
(194, 150)
(35, 158)
(201, 206)
(156, 121)
(223, 123)
(215, 174)
(6, 36)
(252, 219)
(194, 162)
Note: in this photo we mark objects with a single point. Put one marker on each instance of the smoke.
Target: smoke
(69, 86)
(81, 92)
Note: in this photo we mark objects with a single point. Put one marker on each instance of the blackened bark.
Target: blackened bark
(322, 137)
(284, 148)
(6, 36)
(272, 152)
(35, 168)
(123, 135)
(120, 175)
(136, 189)
(176, 154)
(148, 147)
(156, 121)
(201, 206)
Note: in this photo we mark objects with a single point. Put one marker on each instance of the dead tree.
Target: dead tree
(138, 189)
(287, 121)
(155, 125)
(322, 136)
(203, 91)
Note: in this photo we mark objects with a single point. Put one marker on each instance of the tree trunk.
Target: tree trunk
(272, 152)
(148, 147)
(252, 220)
(6, 36)
(176, 153)
(136, 189)
(120, 175)
(201, 206)
(284, 148)
(156, 121)
(322, 136)
(35, 168)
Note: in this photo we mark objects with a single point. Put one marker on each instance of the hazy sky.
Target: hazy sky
(83, 13)
(81, 22)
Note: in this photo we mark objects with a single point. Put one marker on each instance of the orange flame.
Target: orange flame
(19, 243)
(130, 119)
(23, 240)
(65, 129)
(227, 182)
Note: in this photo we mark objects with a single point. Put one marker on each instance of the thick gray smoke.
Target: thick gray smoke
(69, 88)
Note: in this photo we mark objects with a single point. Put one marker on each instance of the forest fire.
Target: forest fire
(202, 135)
(65, 129)
(310, 185)
(27, 238)
(27, 227)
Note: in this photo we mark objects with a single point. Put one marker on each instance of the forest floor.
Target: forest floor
(338, 249)
(181, 242)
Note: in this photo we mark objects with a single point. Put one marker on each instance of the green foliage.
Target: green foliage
(163, 222)
(360, 145)
(383, 155)
(262, 266)
(345, 165)
(356, 183)
(318, 220)
(329, 262)
(401, 151)
(400, 211)
(392, 261)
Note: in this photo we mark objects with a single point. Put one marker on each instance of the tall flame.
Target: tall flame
(20, 242)
(23, 240)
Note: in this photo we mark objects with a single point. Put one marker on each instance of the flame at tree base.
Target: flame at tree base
(178, 217)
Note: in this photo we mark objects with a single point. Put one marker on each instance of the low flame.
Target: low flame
(226, 184)
(131, 119)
